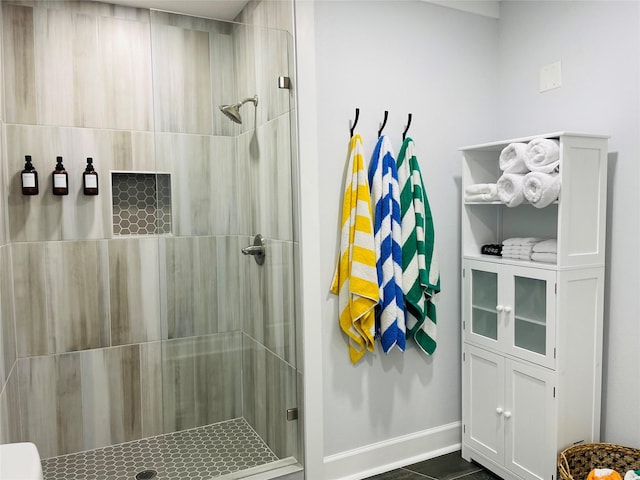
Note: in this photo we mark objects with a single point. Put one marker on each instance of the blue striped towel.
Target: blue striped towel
(385, 198)
(421, 273)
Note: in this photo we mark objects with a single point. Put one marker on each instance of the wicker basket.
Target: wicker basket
(575, 463)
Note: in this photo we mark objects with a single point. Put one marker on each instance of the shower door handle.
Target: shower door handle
(257, 249)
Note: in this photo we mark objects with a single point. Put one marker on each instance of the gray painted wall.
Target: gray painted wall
(470, 79)
(598, 44)
(434, 62)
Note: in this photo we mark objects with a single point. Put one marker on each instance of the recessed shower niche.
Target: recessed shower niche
(141, 203)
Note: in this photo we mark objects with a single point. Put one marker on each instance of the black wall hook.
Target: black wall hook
(404, 134)
(384, 122)
(355, 122)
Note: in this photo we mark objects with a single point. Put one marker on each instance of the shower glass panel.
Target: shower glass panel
(226, 367)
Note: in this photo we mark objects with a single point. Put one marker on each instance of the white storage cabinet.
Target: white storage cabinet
(532, 332)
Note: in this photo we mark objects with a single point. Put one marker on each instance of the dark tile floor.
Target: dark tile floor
(447, 467)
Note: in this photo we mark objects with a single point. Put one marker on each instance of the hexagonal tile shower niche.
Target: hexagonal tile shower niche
(141, 203)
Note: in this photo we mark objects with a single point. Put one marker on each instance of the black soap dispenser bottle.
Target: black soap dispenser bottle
(29, 178)
(90, 179)
(60, 179)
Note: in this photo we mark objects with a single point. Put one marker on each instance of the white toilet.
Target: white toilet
(20, 461)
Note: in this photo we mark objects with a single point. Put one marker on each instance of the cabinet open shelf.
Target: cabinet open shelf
(511, 261)
(574, 220)
(497, 202)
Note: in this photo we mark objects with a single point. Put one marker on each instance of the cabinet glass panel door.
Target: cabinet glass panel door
(484, 298)
(530, 312)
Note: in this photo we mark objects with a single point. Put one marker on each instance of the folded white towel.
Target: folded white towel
(481, 197)
(541, 189)
(521, 241)
(544, 257)
(510, 189)
(543, 155)
(480, 188)
(513, 157)
(524, 254)
(546, 246)
(517, 256)
(518, 250)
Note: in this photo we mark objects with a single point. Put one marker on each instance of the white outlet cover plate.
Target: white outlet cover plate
(551, 76)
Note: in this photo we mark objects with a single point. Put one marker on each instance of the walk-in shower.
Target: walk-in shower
(233, 111)
(143, 342)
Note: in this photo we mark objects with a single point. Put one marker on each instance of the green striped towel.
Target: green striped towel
(421, 272)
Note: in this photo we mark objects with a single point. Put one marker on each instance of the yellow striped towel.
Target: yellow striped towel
(356, 278)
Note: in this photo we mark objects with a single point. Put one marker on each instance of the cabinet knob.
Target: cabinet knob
(507, 414)
(507, 309)
(499, 410)
(499, 308)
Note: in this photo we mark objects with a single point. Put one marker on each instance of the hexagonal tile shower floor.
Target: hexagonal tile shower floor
(197, 454)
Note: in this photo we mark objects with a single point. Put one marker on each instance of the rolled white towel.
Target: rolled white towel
(543, 155)
(541, 189)
(546, 246)
(510, 189)
(545, 257)
(512, 158)
(481, 188)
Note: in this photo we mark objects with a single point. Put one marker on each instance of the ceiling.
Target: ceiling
(229, 9)
(219, 9)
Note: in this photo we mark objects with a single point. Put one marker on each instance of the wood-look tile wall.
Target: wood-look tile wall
(205, 182)
(83, 400)
(121, 338)
(134, 286)
(193, 74)
(67, 67)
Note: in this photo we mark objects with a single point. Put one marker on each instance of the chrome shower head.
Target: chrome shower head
(233, 111)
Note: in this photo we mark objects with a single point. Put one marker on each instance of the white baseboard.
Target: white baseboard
(394, 453)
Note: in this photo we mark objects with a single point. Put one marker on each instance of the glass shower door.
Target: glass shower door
(227, 361)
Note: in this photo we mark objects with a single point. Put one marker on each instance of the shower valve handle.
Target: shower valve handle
(257, 249)
(253, 250)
